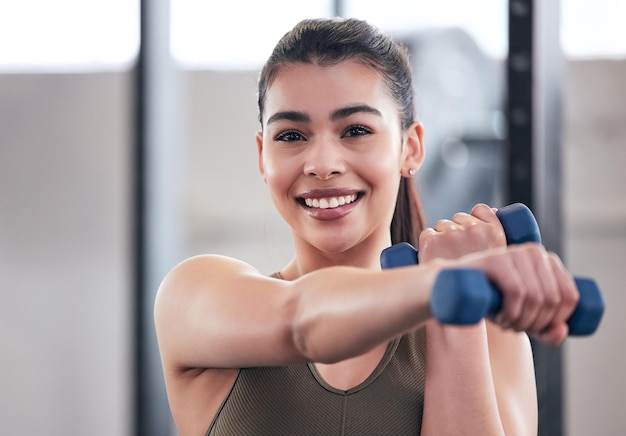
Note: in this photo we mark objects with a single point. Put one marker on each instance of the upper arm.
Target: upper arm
(216, 312)
(513, 374)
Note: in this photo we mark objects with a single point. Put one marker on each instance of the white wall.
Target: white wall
(228, 209)
(595, 240)
(65, 255)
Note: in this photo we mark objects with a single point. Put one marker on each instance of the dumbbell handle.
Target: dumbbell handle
(465, 296)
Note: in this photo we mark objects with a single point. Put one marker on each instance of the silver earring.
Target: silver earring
(412, 172)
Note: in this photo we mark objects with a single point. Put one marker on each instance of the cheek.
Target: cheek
(279, 174)
(386, 162)
(383, 170)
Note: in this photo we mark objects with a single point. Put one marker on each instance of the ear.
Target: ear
(259, 146)
(412, 149)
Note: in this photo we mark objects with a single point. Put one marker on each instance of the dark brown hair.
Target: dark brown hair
(328, 41)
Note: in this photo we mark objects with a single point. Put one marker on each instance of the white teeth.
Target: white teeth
(329, 203)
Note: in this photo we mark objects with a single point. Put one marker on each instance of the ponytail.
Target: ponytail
(408, 217)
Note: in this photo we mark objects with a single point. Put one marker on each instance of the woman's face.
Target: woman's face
(331, 152)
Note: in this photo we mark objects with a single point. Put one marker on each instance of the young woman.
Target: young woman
(330, 344)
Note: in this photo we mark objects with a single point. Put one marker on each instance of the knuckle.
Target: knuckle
(496, 233)
(555, 261)
(480, 208)
(535, 300)
(474, 231)
(552, 299)
(459, 215)
(553, 256)
(516, 293)
(441, 225)
(425, 240)
(536, 250)
(571, 298)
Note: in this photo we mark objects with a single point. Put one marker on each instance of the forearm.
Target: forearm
(460, 396)
(342, 312)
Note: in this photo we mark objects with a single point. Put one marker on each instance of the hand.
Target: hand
(464, 234)
(539, 294)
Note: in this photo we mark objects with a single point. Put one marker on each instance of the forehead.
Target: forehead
(311, 88)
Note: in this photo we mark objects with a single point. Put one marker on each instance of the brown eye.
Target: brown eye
(357, 130)
(290, 136)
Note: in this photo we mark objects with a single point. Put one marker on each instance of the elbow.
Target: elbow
(304, 341)
(305, 331)
(298, 338)
(300, 328)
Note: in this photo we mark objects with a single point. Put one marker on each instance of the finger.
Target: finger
(554, 334)
(551, 299)
(463, 219)
(485, 213)
(507, 279)
(532, 292)
(445, 225)
(425, 237)
(566, 286)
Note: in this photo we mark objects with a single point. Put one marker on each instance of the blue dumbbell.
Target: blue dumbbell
(465, 296)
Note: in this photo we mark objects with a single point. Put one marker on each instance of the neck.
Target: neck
(310, 258)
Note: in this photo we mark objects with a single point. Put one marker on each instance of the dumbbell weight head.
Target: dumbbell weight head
(519, 224)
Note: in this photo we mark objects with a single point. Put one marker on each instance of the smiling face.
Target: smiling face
(332, 153)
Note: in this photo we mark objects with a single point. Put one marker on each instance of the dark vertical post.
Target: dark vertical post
(534, 120)
(520, 102)
(139, 235)
(156, 228)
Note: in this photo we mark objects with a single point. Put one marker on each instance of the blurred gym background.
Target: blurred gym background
(127, 144)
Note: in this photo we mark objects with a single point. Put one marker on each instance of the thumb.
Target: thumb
(554, 335)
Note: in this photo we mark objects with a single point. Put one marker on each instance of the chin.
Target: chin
(335, 245)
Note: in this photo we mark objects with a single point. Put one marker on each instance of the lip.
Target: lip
(330, 213)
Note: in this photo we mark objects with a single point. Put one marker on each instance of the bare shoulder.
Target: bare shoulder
(208, 315)
(198, 277)
(186, 302)
(210, 268)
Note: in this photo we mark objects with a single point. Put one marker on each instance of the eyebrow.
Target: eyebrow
(302, 117)
(351, 110)
(295, 116)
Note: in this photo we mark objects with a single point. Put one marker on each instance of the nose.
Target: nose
(324, 159)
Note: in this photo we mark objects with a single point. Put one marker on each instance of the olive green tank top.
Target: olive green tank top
(295, 400)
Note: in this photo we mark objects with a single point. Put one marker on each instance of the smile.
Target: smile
(330, 202)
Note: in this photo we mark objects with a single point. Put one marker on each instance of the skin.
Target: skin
(339, 136)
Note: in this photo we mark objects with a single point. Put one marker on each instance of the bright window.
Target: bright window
(68, 35)
(484, 20)
(593, 29)
(241, 34)
(235, 33)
